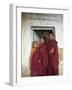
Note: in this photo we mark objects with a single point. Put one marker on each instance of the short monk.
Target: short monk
(35, 61)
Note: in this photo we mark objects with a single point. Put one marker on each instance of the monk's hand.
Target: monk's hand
(51, 51)
(39, 61)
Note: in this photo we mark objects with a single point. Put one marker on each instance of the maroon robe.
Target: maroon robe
(53, 58)
(36, 66)
(44, 57)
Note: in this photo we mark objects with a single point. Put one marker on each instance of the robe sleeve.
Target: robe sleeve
(32, 51)
(56, 56)
(30, 59)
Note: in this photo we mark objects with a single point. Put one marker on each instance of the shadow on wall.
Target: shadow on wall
(25, 72)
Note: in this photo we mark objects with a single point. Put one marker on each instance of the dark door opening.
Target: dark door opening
(37, 33)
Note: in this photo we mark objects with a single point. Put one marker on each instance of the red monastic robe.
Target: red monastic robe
(44, 57)
(53, 58)
(36, 65)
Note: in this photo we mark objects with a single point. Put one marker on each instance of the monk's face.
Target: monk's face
(35, 45)
(51, 36)
(42, 40)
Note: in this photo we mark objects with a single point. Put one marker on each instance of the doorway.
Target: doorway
(42, 31)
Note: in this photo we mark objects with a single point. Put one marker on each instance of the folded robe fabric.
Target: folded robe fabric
(53, 57)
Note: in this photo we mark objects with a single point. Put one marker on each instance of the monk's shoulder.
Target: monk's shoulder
(55, 43)
(33, 50)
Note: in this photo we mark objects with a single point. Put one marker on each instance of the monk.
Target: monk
(53, 56)
(35, 61)
(43, 54)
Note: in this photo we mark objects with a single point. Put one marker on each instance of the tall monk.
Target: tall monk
(43, 54)
(53, 55)
(35, 61)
